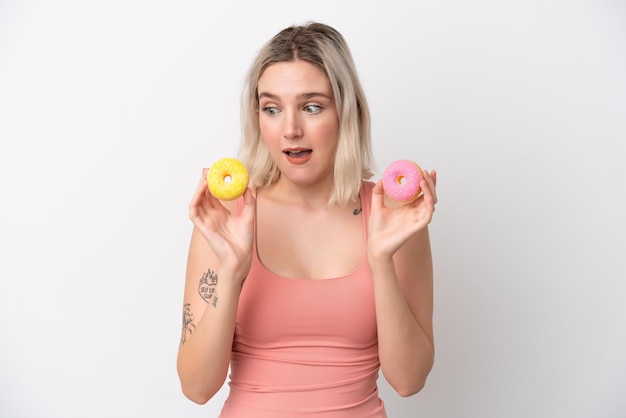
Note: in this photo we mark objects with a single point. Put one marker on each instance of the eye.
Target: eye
(270, 110)
(312, 109)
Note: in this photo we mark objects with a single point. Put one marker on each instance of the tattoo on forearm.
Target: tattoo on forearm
(188, 325)
(206, 288)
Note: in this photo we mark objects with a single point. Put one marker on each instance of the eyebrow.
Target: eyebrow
(305, 96)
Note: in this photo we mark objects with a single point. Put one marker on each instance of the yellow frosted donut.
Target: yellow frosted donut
(227, 179)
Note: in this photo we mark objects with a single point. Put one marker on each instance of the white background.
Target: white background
(109, 110)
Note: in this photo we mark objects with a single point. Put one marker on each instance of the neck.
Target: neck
(314, 196)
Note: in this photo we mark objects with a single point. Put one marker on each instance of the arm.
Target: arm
(218, 262)
(400, 258)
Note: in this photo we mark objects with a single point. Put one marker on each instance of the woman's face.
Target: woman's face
(298, 121)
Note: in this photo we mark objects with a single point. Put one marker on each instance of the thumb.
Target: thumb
(249, 203)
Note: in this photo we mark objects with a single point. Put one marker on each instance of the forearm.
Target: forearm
(405, 349)
(204, 354)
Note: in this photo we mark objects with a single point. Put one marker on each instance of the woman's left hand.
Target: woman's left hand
(389, 228)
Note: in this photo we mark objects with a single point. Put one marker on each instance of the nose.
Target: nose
(293, 126)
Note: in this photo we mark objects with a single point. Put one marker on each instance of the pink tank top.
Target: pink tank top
(306, 348)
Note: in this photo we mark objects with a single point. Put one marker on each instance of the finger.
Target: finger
(248, 197)
(427, 194)
(429, 181)
(200, 188)
(203, 188)
(202, 180)
(201, 196)
(378, 195)
(249, 204)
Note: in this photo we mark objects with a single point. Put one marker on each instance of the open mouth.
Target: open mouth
(298, 153)
(298, 156)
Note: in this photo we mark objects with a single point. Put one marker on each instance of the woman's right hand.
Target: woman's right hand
(229, 235)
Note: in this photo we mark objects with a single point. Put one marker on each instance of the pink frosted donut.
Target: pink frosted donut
(401, 180)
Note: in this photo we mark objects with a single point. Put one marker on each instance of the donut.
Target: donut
(227, 179)
(401, 180)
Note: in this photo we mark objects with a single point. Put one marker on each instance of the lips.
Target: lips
(298, 155)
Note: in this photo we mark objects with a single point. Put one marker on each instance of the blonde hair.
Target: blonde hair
(325, 48)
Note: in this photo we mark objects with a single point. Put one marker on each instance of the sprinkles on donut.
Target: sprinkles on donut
(401, 180)
(227, 179)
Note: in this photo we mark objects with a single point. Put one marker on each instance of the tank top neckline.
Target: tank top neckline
(365, 209)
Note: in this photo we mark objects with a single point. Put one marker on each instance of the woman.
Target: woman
(312, 281)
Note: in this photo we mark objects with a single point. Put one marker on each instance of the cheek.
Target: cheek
(330, 131)
(268, 132)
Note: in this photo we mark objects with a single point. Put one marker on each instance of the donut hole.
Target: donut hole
(227, 178)
(401, 179)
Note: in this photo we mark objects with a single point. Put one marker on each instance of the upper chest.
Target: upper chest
(299, 243)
